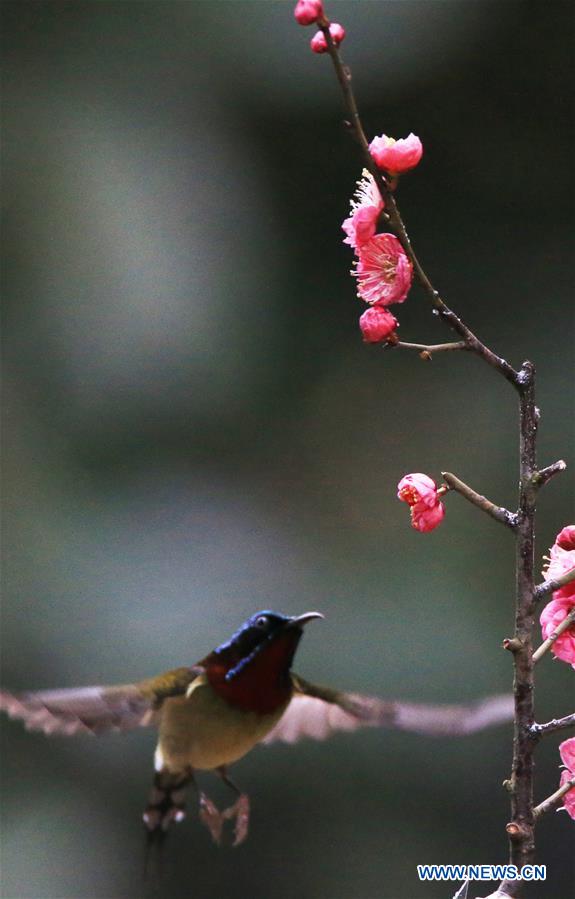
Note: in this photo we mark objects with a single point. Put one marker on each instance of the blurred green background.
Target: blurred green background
(194, 430)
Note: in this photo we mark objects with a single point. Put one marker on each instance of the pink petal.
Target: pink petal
(396, 156)
(417, 488)
(377, 324)
(566, 537)
(360, 227)
(567, 753)
(569, 798)
(425, 519)
(383, 271)
(552, 615)
(561, 561)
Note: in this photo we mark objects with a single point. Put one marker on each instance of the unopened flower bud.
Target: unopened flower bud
(337, 33)
(307, 12)
(318, 42)
(377, 324)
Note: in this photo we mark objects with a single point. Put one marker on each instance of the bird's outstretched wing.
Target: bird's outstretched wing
(96, 709)
(318, 712)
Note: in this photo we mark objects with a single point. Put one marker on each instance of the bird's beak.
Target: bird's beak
(300, 620)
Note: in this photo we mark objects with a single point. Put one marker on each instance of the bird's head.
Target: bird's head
(257, 659)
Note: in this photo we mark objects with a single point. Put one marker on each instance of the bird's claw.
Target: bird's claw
(212, 818)
(240, 811)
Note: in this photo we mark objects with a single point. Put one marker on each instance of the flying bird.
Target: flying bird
(211, 714)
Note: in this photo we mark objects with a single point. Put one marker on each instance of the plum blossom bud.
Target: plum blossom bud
(337, 33)
(377, 324)
(383, 271)
(420, 492)
(566, 538)
(567, 753)
(318, 42)
(307, 12)
(551, 617)
(396, 156)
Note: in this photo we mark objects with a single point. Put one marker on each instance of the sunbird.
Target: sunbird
(211, 714)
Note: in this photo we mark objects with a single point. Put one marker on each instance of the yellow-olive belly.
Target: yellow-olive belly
(201, 730)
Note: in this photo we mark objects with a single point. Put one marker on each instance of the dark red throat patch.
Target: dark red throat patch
(263, 684)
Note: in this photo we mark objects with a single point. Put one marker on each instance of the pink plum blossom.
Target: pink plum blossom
(418, 488)
(566, 538)
(424, 519)
(365, 209)
(569, 797)
(360, 227)
(420, 492)
(383, 271)
(551, 617)
(396, 156)
(318, 42)
(377, 324)
(567, 753)
(560, 562)
(307, 12)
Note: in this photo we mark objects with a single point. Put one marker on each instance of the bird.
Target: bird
(211, 714)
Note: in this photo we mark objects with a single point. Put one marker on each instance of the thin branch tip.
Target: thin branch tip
(544, 475)
(537, 731)
(499, 513)
(426, 350)
(553, 801)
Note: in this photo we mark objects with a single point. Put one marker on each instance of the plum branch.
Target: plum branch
(420, 492)
(396, 222)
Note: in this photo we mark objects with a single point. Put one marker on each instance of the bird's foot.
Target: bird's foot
(240, 811)
(211, 818)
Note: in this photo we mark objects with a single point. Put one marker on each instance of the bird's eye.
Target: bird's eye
(262, 621)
